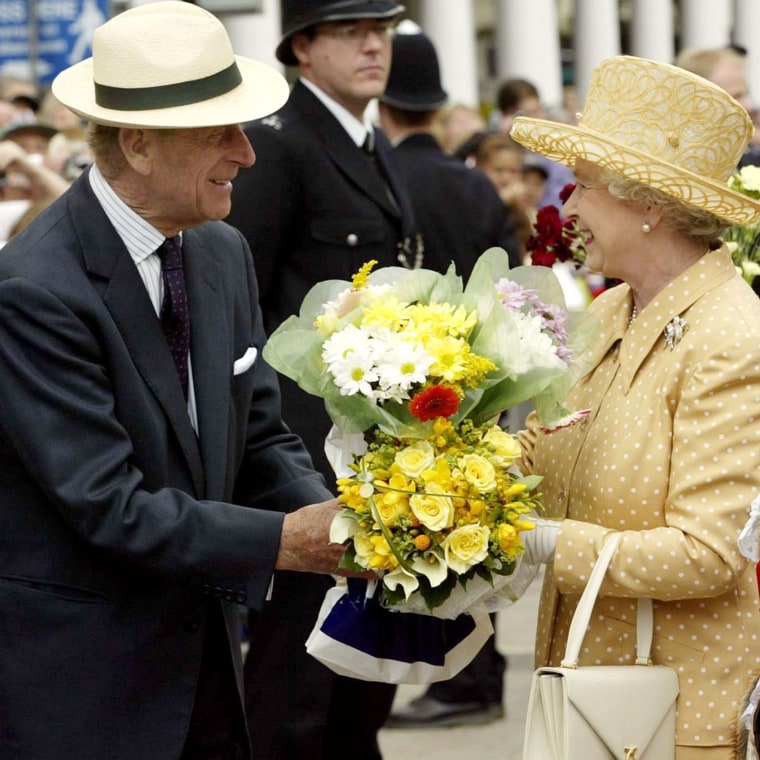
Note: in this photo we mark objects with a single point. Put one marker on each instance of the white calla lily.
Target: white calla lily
(400, 577)
(433, 567)
(342, 528)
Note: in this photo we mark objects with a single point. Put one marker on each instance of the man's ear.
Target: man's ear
(136, 146)
(300, 45)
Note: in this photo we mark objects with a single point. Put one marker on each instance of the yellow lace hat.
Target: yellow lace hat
(659, 125)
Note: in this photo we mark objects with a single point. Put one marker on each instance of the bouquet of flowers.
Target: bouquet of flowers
(415, 370)
(744, 241)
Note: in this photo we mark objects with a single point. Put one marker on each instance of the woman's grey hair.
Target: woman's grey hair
(693, 223)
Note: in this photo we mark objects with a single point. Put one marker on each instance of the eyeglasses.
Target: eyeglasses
(355, 34)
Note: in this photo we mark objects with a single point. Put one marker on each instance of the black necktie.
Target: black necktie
(368, 146)
(175, 317)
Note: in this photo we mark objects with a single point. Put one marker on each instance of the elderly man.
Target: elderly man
(137, 428)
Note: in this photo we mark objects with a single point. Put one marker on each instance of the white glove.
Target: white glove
(540, 542)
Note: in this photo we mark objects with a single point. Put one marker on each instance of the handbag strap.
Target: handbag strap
(582, 616)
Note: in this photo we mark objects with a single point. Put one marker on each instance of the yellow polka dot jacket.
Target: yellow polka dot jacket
(669, 456)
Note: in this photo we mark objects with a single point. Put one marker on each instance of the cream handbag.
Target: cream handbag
(604, 712)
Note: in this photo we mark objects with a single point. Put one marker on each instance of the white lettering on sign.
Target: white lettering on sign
(57, 10)
(12, 11)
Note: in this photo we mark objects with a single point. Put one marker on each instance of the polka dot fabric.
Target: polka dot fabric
(669, 456)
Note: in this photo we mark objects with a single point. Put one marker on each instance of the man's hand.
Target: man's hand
(305, 541)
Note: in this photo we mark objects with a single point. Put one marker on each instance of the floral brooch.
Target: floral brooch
(674, 331)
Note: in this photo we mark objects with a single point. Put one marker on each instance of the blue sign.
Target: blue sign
(40, 38)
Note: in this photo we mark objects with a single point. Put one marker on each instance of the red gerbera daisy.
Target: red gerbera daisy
(435, 401)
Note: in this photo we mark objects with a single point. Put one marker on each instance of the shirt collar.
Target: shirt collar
(357, 130)
(140, 238)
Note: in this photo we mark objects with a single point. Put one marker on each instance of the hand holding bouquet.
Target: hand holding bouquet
(415, 371)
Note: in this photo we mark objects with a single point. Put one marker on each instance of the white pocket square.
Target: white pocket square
(245, 361)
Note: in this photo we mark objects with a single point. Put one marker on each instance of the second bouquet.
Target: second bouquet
(416, 370)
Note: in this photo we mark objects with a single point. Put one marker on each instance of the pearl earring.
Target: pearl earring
(646, 227)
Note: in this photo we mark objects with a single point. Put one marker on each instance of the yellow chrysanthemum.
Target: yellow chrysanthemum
(450, 358)
(386, 312)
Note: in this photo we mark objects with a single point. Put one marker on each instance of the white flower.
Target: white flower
(403, 364)
(433, 567)
(537, 349)
(355, 374)
(342, 343)
(400, 577)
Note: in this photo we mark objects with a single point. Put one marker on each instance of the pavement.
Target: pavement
(500, 740)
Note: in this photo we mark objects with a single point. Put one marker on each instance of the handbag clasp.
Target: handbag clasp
(630, 753)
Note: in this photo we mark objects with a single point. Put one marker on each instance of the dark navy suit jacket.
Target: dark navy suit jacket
(117, 528)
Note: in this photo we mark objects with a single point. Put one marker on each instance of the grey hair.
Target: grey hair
(104, 143)
(693, 223)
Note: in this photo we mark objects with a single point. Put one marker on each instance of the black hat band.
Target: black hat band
(168, 95)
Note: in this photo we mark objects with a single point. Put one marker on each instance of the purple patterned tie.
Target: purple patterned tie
(175, 317)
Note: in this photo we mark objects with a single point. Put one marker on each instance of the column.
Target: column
(453, 34)
(597, 36)
(256, 35)
(527, 46)
(652, 30)
(706, 23)
(746, 29)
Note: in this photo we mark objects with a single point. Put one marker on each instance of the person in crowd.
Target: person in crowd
(324, 197)
(726, 67)
(669, 453)
(457, 209)
(149, 485)
(460, 215)
(500, 158)
(27, 185)
(534, 177)
(456, 123)
(520, 97)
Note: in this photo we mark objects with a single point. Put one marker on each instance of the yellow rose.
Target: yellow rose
(505, 445)
(391, 506)
(434, 511)
(465, 547)
(415, 459)
(479, 472)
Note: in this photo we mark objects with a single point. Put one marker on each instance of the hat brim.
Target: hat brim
(565, 143)
(284, 52)
(262, 91)
(431, 104)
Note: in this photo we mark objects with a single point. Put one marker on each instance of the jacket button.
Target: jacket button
(241, 596)
(217, 592)
(352, 239)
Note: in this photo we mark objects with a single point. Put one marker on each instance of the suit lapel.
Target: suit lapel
(350, 160)
(212, 357)
(116, 278)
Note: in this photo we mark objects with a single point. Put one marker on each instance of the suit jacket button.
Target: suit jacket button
(241, 596)
(229, 594)
(352, 239)
(217, 592)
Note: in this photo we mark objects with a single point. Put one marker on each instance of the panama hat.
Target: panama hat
(414, 82)
(659, 125)
(168, 65)
(298, 15)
